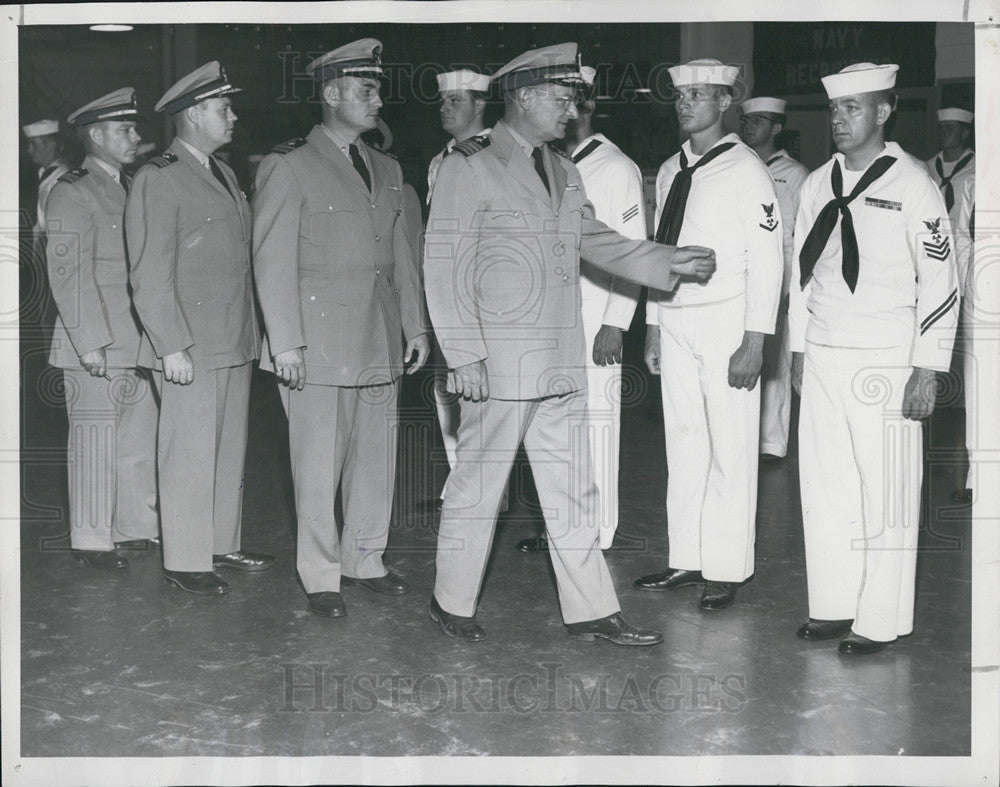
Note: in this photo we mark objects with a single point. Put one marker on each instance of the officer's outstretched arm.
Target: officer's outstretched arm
(641, 261)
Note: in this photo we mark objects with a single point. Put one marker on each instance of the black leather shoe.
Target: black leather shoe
(133, 545)
(856, 645)
(670, 579)
(962, 496)
(391, 584)
(532, 545)
(108, 561)
(456, 626)
(823, 629)
(614, 628)
(245, 561)
(201, 583)
(717, 595)
(327, 604)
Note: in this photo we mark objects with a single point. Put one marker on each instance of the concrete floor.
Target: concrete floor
(128, 666)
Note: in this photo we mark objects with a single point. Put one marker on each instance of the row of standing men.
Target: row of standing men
(509, 221)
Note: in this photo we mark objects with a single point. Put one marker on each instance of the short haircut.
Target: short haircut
(885, 97)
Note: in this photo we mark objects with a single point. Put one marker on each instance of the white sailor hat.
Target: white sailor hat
(119, 105)
(704, 72)
(955, 114)
(209, 81)
(362, 58)
(463, 79)
(775, 106)
(860, 78)
(558, 64)
(41, 128)
(588, 75)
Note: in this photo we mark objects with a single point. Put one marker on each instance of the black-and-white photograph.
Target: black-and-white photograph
(501, 392)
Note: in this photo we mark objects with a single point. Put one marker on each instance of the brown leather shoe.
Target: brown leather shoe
(456, 626)
(533, 545)
(327, 604)
(391, 584)
(717, 595)
(201, 583)
(245, 561)
(856, 645)
(107, 561)
(614, 628)
(823, 629)
(671, 579)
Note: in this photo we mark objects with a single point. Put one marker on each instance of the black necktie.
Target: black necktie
(949, 191)
(580, 155)
(820, 233)
(359, 165)
(218, 175)
(124, 179)
(536, 155)
(672, 216)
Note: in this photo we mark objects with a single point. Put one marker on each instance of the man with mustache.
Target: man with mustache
(508, 225)
(340, 294)
(111, 452)
(188, 230)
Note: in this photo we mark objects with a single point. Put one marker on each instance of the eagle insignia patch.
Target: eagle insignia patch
(769, 223)
(938, 247)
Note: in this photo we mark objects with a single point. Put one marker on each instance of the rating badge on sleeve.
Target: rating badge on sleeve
(769, 223)
(938, 247)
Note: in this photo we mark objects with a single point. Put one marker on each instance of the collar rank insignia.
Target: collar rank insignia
(938, 247)
(769, 223)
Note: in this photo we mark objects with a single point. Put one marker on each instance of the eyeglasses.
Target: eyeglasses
(563, 101)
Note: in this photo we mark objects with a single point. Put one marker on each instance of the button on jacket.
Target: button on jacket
(334, 263)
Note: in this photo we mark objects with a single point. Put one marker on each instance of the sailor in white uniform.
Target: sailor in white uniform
(708, 338)
(463, 110)
(45, 151)
(955, 162)
(874, 303)
(763, 119)
(613, 184)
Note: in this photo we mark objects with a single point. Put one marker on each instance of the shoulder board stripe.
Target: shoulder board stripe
(472, 145)
(289, 146)
(73, 175)
(163, 160)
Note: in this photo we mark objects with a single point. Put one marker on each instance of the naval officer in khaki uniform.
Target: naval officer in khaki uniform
(508, 225)
(110, 406)
(188, 229)
(340, 294)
